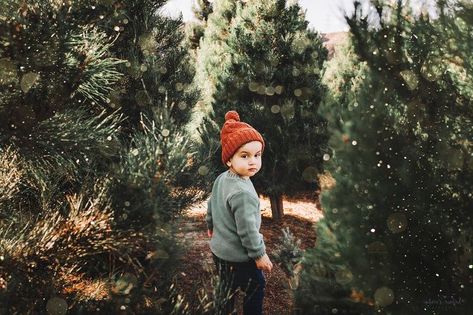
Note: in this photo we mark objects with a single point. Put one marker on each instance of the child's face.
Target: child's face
(246, 161)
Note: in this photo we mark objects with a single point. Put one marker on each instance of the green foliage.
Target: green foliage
(58, 251)
(146, 184)
(195, 30)
(10, 175)
(209, 301)
(158, 69)
(68, 143)
(50, 60)
(260, 59)
(325, 280)
(213, 301)
(100, 73)
(207, 161)
(202, 9)
(397, 223)
(288, 253)
(211, 57)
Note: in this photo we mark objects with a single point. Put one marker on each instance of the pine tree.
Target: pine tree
(157, 98)
(74, 157)
(201, 9)
(212, 59)
(397, 228)
(56, 73)
(158, 67)
(266, 64)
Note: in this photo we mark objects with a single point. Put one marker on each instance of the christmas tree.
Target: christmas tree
(88, 164)
(157, 66)
(266, 64)
(396, 236)
(212, 48)
(157, 97)
(201, 10)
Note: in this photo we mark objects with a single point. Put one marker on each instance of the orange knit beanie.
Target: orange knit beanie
(236, 133)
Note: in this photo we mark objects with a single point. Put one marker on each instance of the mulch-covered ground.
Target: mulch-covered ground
(197, 265)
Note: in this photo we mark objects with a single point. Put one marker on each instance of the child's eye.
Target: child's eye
(244, 156)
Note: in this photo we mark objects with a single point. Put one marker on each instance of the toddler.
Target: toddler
(234, 215)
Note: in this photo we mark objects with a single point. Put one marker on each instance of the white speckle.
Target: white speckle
(373, 230)
(203, 170)
(275, 109)
(182, 105)
(165, 132)
(354, 142)
(56, 306)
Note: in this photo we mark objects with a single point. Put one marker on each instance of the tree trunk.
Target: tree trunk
(277, 209)
(318, 203)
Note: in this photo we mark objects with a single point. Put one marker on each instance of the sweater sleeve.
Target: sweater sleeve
(208, 218)
(245, 209)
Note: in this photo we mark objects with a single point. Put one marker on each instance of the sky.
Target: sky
(325, 16)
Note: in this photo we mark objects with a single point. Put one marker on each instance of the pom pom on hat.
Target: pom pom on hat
(232, 115)
(236, 133)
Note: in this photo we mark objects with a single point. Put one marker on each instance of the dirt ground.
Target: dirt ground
(197, 265)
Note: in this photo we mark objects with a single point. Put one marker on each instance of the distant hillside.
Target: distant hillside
(331, 40)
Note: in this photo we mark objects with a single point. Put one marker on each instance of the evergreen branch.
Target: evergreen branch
(73, 135)
(97, 72)
(288, 254)
(55, 245)
(10, 174)
(62, 150)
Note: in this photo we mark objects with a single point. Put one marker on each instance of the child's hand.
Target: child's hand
(264, 263)
(209, 233)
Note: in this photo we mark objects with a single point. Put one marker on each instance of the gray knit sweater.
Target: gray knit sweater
(234, 216)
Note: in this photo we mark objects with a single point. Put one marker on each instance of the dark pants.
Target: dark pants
(246, 277)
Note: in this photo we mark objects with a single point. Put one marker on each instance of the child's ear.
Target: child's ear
(229, 164)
